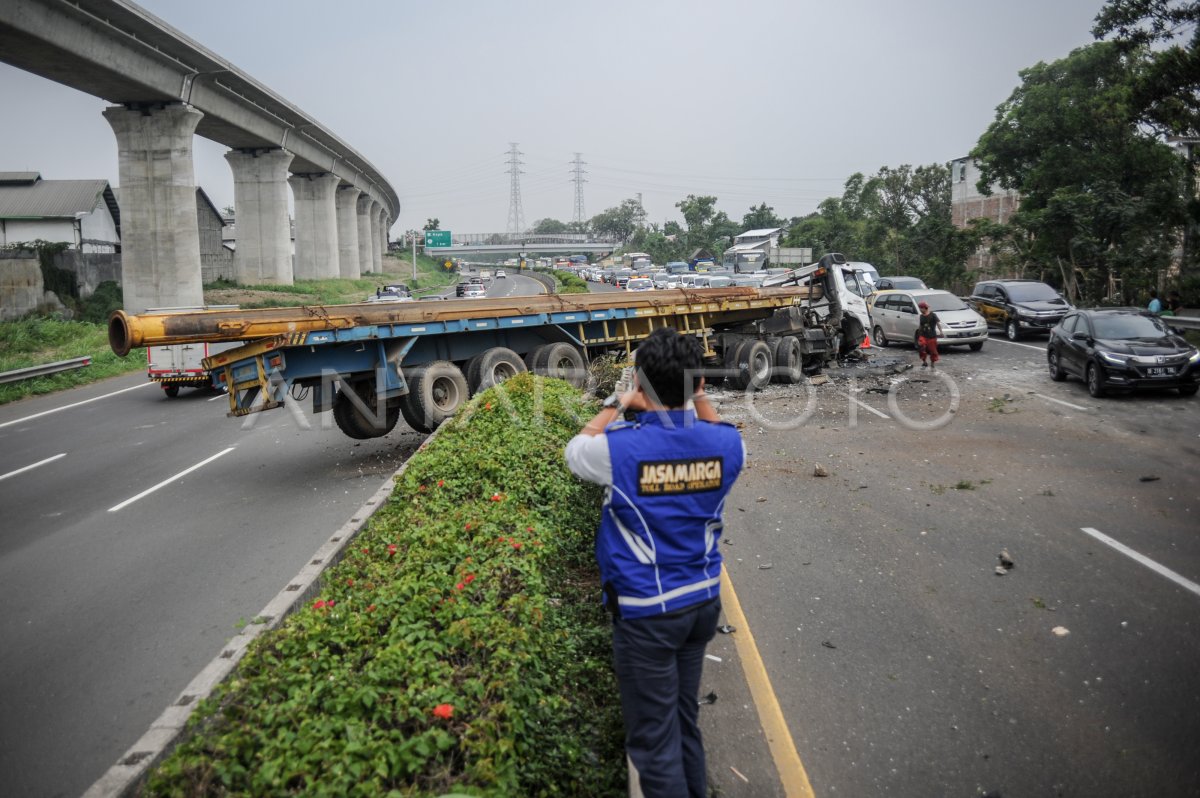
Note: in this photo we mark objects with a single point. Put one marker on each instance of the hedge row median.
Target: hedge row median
(458, 647)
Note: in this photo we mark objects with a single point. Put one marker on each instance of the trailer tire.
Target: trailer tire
(750, 365)
(492, 368)
(561, 361)
(351, 420)
(435, 392)
(788, 359)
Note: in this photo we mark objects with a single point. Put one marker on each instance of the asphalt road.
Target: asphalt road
(114, 602)
(902, 663)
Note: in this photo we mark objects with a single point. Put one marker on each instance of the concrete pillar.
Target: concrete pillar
(363, 208)
(346, 201)
(316, 225)
(160, 242)
(260, 204)
(381, 242)
(376, 250)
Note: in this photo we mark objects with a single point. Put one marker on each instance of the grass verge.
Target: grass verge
(36, 341)
(459, 647)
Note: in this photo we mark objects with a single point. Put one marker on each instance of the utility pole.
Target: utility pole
(579, 181)
(516, 217)
(413, 235)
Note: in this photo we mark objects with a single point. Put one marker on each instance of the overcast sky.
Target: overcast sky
(775, 101)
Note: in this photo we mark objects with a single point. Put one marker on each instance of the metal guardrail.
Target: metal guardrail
(16, 375)
(1184, 322)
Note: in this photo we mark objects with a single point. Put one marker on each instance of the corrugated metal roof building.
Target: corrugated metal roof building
(82, 213)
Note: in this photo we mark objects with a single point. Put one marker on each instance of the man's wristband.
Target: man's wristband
(612, 401)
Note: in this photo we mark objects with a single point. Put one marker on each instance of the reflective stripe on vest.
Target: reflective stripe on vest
(663, 598)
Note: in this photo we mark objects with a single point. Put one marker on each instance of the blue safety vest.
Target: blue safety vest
(657, 545)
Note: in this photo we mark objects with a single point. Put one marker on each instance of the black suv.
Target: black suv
(1122, 350)
(1018, 306)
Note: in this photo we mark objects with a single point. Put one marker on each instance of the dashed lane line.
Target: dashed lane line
(68, 407)
(1161, 570)
(792, 775)
(1014, 343)
(1059, 401)
(866, 406)
(32, 466)
(169, 480)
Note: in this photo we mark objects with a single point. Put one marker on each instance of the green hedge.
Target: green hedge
(458, 647)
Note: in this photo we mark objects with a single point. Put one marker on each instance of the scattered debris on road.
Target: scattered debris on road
(1005, 559)
(819, 471)
(713, 657)
(711, 698)
(827, 644)
(1061, 631)
(1149, 478)
(738, 773)
(820, 379)
(765, 566)
(726, 629)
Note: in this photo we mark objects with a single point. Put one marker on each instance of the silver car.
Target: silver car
(894, 316)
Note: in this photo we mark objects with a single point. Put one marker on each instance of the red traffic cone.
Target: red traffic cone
(866, 344)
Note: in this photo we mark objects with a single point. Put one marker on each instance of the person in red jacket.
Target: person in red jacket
(928, 327)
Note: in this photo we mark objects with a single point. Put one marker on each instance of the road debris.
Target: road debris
(820, 379)
(726, 629)
(1061, 631)
(1005, 559)
(738, 773)
(827, 644)
(761, 499)
(713, 657)
(765, 566)
(819, 471)
(711, 698)
(1001, 570)
(1150, 478)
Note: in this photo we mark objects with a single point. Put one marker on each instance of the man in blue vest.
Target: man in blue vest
(666, 477)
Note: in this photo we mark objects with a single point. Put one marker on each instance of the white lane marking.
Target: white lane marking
(864, 406)
(68, 407)
(31, 467)
(1161, 570)
(1059, 401)
(1014, 343)
(218, 396)
(169, 480)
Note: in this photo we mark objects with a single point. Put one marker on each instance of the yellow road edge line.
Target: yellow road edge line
(792, 774)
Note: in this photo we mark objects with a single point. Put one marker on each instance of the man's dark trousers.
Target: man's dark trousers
(658, 662)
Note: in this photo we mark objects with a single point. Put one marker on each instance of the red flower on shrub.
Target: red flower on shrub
(350, 582)
(391, 549)
(444, 711)
(441, 482)
(371, 608)
(319, 604)
(488, 406)
(517, 545)
(528, 529)
(468, 526)
(468, 579)
(421, 489)
(365, 550)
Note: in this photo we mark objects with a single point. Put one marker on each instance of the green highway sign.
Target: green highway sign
(437, 238)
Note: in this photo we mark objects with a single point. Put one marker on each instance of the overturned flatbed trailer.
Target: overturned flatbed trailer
(371, 364)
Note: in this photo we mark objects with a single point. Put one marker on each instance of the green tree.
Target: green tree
(620, 222)
(549, 227)
(761, 218)
(432, 224)
(1166, 91)
(1101, 197)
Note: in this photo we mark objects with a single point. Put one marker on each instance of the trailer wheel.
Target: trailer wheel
(358, 425)
(492, 368)
(171, 391)
(435, 391)
(751, 365)
(788, 360)
(561, 361)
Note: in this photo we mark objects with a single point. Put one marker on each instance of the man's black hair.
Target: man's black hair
(671, 363)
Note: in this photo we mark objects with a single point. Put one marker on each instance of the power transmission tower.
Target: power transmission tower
(516, 217)
(578, 181)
